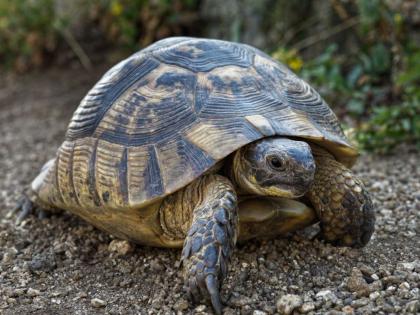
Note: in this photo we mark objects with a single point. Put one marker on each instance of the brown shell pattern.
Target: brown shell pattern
(165, 115)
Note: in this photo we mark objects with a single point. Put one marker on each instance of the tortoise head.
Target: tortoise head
(275, 167)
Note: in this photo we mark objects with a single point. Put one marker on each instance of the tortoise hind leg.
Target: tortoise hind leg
(211, 239)
(29, 203)
(26, 207)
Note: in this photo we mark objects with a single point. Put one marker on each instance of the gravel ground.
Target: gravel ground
(62, 265)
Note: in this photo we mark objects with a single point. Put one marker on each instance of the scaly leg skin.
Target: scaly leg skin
(26, 207)
(342, 203)
(210, 240)
(29, 203)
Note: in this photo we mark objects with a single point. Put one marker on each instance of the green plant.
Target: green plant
(390, 126)
(289, 57)
(32, 30)
(410, 77)
(27, 32)
(376, 83)
(352, 84)
(136, 23)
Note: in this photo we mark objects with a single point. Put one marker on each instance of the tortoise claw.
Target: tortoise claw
(206, 254)
(26, 207)
(213, 289)
(198, 287)
(16, 209)
(200, 269)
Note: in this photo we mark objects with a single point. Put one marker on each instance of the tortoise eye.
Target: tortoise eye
(276, 163)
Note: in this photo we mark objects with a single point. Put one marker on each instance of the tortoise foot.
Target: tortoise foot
(356, 229)
(26, 207)
(343, 205)
(208, 248)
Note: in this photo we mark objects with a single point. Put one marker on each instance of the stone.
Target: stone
(348, 310)
(181, 305)
(120, 247)
(200, 308)
(156, 265)
(391, 288)
(33, 292)
(327, 296)
(374, 295)
(9, 255)
(307, 307)
(287, 303)
(404, 286)
(17, 292)
(241, 300)
(392, 280)
(409, 266)
(413, 307)
(360, 302)
(367, 270)
(95, 302)
(375, 277)
(356, 283)
(366, 309)
(43, 262)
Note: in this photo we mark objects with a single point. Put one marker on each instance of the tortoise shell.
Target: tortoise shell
(165, 115)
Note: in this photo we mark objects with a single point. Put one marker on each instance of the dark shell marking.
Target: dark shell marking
(165, 115)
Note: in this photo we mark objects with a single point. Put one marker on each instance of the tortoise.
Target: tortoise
(196, 143)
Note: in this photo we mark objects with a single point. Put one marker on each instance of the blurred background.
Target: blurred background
(361, 55)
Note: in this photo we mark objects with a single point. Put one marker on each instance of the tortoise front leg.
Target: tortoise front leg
(211, 238)
(342, 203)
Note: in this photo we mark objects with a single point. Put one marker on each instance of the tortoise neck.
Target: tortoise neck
(233, 169)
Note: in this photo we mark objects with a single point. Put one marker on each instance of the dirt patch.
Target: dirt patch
(62, 265)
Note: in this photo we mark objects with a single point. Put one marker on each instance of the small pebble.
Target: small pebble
(409, 266)
(95, 302)
(307, 307)
(9, 255)
(287, 303)
(120, 247)
(413, 307)
(348, 310)
(360, 302)
(33, 292)
(357, 283)
(374, 295)
(327, 296)
(181, 305)
(404, 286)
(200, 308)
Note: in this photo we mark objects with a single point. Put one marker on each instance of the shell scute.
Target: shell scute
(203, 56)
(97, 102)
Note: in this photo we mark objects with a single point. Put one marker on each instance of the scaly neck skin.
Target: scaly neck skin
(235, 172)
